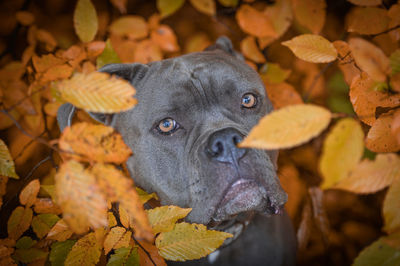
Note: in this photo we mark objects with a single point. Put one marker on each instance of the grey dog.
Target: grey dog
(193, 110)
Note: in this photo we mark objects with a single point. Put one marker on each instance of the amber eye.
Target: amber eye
(249, 100)
(167, 126)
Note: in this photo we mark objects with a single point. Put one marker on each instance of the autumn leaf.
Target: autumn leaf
(312, 48)
(367, 20)
(86, 251)
(380, 137)
(165, 38)
(283, 94)
(80, 197)
(342, 150)
(7, 167)
(45, 205)
(288, 127)
(42, 223)
(25, 18)
(273, 73)
(254, 22)
(133, 27)
(112, 221)
(107, 56)
(229, 3)
(249, 48)
(204, 6)
(371, 176)
(60, 231)
(366, 2)
(98, 92)
(189, 241)
(168, 7)
(147, 51)
(85, 20)
(144, 196)
(28, 195)
(25, 242)
(124, 256)
(29, 255)
(112, 238)
(346, 61)
(59, 251)
(395, 126)
(377, 254)
(163, 219)
(391, 205)
(394, 60)
(19, 221)
(310, 14)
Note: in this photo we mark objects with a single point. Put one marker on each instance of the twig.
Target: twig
(145, 251)
(309, 90)
(26, 146)
(385, 31)
(8, 109)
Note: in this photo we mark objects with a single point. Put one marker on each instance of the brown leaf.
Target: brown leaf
(147, 51)
(380, 137)
(254, 22)
(145, 250)
(205, 6)
(283, 94)
(367, 20)
(46, 62)
(366, 2)
(394, 21)
(112, 238)
(47, 38)
(120, 5)
(28, 195)
(19, 221)
(46, 205)
(249, 48)
(95, 48)
(310, 14)
(396, 125)
(165, 38)
(197, 42)
(346, 61)
(25, 18)
(133, 27)
(60, 231)
(3, 186)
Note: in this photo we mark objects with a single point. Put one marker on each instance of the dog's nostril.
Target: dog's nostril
(217, 148)
(237, 139)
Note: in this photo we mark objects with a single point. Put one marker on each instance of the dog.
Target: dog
(192, 112)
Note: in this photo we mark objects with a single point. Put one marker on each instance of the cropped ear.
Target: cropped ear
(130, 72)
(224, 43)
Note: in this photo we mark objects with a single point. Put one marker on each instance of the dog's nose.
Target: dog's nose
(222, 147)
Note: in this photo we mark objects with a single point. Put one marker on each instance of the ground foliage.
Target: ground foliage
(331, 68)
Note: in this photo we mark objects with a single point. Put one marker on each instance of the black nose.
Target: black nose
(222, 147)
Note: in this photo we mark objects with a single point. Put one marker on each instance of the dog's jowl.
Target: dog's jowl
(193, 110)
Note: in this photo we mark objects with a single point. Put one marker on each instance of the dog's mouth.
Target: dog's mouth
(243, 196)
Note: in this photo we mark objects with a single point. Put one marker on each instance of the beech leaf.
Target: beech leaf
(395, 62)
(133, 27)
(7, 167)
(169, 7)
(42, 223)
(60, 231)
(163, 219)
(204, 6)
(254, 22)
(112, 238)
(380, 137)
(288, 127)
(377, 254)
(391, 206)
(85, 20)
(107, 56)
(124, 256)
(19, 221)
(28, 195)
(86, 251)
(310, 14)
(312, 48)
(59, 252)
(367, 20)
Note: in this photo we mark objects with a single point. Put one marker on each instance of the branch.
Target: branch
(309, 90)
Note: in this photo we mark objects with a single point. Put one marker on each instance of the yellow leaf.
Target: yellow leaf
(60, 231)
(342, 150)
(90, 142)
(205, 6)
(273, 73)
(124, 217)
(80, 197)
(372, 176)
(42, 223)
(229, 3)
(168, 7)
(189, 242)
(98, 92)
(19, 221)
(28, 195)
(125, 241)
(133, 27)
(312, 48)
(310, 14)
(144, 196)
(288, 127)
(112, 238)
(119, 188)
(85, 20)
(112, 221)
(163, 219)
(86, 251)
(391, 207)
(46, 205)
(7, 167)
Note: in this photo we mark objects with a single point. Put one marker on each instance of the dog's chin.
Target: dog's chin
(243, 196)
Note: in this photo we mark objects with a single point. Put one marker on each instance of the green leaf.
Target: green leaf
(42, 223)
(25, 242)
(168, 7)
(124, 256)
(29, 255)
(108, 56)
(59, 252)
(85, 20)
(273, 73)
(395, 61)
(378, 254)
(7, 167)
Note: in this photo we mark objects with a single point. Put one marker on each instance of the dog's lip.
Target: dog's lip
(236, 188)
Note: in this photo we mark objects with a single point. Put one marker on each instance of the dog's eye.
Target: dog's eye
(167, 126)
(249, 100)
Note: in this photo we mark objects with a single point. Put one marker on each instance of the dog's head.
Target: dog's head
(192, 112)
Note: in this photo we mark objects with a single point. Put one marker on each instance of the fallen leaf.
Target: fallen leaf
(254, 22)
(112, 238)
(86, 251)
(341, 152)
(346, 61)
(108, 56)
(394, 16)
(396, 125)
(204, 6)
(273, 73)
(45, 205)
(395, 62)
(163, 219)
(133, 27)
(42, 224)
(288, 127)
(282, 94)
(165, 38)
(60, 231)
(28, 195)
(85, 20)
(147, 251)
(378, 253)
(229, 3)
(366, 2)
(248, 47)
(26, 18)
(147, 51)
(380, 137)
(59, 251)
(144, 196)
(7, 167)
(169, 7)
(310, 14)
(19, 221)
(29, 255)
(367, 20)
(197, 42)
(391, 205)
(120, 5)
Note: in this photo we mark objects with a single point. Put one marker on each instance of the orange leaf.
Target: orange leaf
(80, 198)
(57, 72)
(372, 176)
(120, 5)
(124, 217)
(396, 125)
(283, 94)
(367, 20)
(19, 221)
(366, 2)
(60, 231)
(205, 6)
(250, 50)
(147, 51)
(133, 27)
(3, 186)
(280, 14)
(310, 14)
(165, 38)
(254, 22)
(89, 142)
(25, 18)
(94, 49)
(380, 137)
(46, 62)
(145, 249)
(394, 15)
(346, 61)
(112, 238)
(46, 205)
(197, 42)
(391, 207)
(28, 195)
(370, 58)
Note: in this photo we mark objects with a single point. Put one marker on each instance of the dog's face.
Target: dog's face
(192, 112)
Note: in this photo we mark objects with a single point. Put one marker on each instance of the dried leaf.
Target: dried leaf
(3, 187)
(112, 238)
(95, 48)
(204, 6)
(370, 58)
(254, 22)
(396, 125)
(42, 223)
(147, 51)
(120, 5)
(133, 27)
(7, 167)
(124, 217)
(112, 221)
(280, 14)
(85, 20)
(283, 94)
(59, 251)
(60, 231)
(249, 48)
(395, 62)
(346, 61)
(25, 242)
(371, 176)
(367, 20)
(86, 251)
(165, 38)
(229, 3)
(394, 15)
(380, 137)
(108, 56)
(310, 14)
(98, 92)
(391, 207)
(288, 127)
(342, 150)
(29, 255)
(163, 219)
(189, 241)
(312, 48)
(25, 18)
(80, 198)
(147, 250)
(144, 196)
(90, 142)
(197, 42)
(124, 256)
(19, 221)
(377, 254)
(28, 195)
(169, 7)
(366, 2)
(273, 73)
